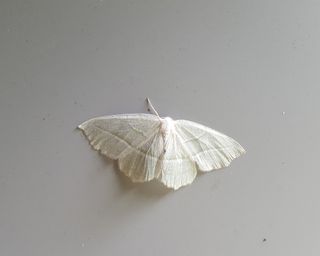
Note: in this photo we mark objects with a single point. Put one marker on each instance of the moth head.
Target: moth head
(167, 124)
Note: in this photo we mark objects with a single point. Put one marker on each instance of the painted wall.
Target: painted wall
(249, 69)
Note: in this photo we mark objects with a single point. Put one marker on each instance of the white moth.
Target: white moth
(149, 147)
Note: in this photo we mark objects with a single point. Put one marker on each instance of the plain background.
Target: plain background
(249, 69)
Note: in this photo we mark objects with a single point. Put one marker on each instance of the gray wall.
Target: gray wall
(249, 69)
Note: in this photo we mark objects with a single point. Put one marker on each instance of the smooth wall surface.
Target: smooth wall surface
(249, 69)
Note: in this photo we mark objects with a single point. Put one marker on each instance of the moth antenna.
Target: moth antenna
(150, 107)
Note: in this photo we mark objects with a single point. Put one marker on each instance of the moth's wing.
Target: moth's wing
(116, 135)
(208, 148)
(140, 163)
(176, 168)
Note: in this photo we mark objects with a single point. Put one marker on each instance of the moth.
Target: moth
(149, 147)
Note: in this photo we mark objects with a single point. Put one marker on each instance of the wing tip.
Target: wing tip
(81, 126)
(242, 151)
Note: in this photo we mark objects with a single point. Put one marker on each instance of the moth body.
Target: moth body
(167, 127)
(150, 147)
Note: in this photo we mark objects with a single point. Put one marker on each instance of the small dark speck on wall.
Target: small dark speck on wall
(264, 240)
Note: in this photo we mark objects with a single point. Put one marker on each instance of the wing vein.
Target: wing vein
(119, 138)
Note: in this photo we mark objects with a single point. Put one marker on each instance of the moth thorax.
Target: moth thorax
(167, 124)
